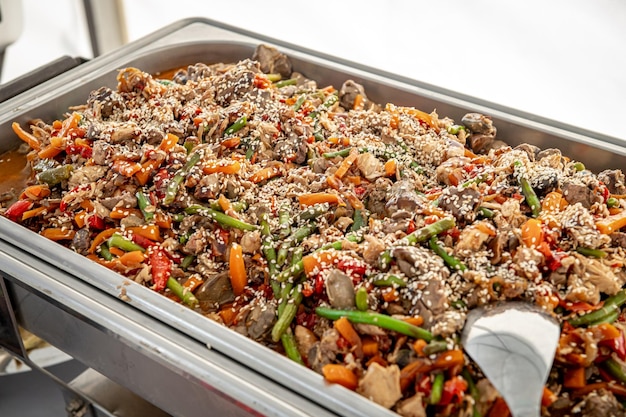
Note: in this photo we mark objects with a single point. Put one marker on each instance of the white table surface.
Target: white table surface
(562, 59)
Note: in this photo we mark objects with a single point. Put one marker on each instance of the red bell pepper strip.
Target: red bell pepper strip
(161, 268)
(96, 222)
(15, 211)
(453, 391)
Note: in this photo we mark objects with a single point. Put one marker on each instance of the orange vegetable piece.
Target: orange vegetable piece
(132, 258)
(419, 346)
(121, 212)
(57, 233)
(370, 346)
(193, 282)
(163, 220)
(147, 168)
(230, 167)
(358, 102)
(33, 212)
(116, 251)
(228, 314)
(574, 378)
(101, 237)
(266, 173)
(345, 329)
(237, 269)
(29, 138)
(319, 198)
(35, 192)
(125, 167)
(168, 142)
(604, 331)
(340, 374)
(548, 397)
(532, 233)
(499, 409)
(150, 231)
(612, 223)
(390, 167)
(319, 260)
(347, 163)
(231, 142)
(449, 359)
(551, 202)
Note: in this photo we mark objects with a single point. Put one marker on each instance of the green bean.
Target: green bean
(284, 222)
(437, 389)
(291, 349)
(615, 369)
(296, 237)
(299, 102)
(54, 176)
(358, 221)
(287, 315)
(187, 261)
(236, 126)
(418, 236)
(531, 198)
(144, 205)
(476, 180)
(181, 292)
(177, 180)
(596, 253)
(486, 213)
(607, 312)
(119, 241)
(284, 83)
(360, 299)
(377, 319)
(472, 389)
(455, 129)
(389, 281)
(452, 262)
(578, 166)
(311, 212)
(435, 346)
(237, 206)
(338, 245)
(105, 252)
(221, 218)
(343, 153)
(273, 77)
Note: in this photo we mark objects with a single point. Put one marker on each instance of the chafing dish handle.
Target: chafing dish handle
(9, 332)
(38, 76)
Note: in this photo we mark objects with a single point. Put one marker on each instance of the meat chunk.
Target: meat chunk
(235, 83)
(614, 180)
(104, 101)
(483, 132)
(579, 193)
(381, 384)
(349, 92)
(272, 61)
(601, 403)
(412, 407)
(340, 290)
(463, 203)
(215, 292)
(86, 174)
(402, 196)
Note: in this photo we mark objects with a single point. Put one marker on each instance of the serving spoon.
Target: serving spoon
(514, 344)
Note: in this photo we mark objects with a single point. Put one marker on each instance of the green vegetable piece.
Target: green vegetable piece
(358, 221)
(595, 253)
(299, 101)
(455, 129)
(177, 180)
(452, 262)
(579, 166)
(381, 320)
(105, 252)
(486, 213)
(54, 176)
(284, 83)
(612, 202)
(237, 126)
(181, 292)
(604, 314)
(389, 281)
(435, 346)
(437, 389)
(119, 241)
(221, 218)
(418, 236)
(146, 208)
(343, 153)
(360, 299)
(187, 261)
(290, 346)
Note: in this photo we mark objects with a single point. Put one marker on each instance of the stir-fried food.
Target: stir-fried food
(350, 235)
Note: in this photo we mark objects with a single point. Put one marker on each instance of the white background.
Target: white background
(561, 59)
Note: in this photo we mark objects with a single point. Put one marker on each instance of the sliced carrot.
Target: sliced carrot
(80, 219)
(358, 102)
(347, 163)
(612, 223)
(117, 251)
(135, 257)
(163, 220)
(410, 371)
(486, 228)
(193, 282)
(448, 359)
(390, 295)
(223, 167)
(552, 202)
(418, 114)
(469, 154)
(226, 206)
(35, 192)
(548, 397)
(319, 260)
(121, 213)
(150, 231)
(370, 346)
(353, 200)
(604, 331)
(147, 168)
(415, 320)
(574, 378)
(231, 142)
(126, 168)
(319, 198)
(168, 142)
(58, 233)
(532, 233)
(340, 374)
(228, 314)
(390, 167)
(266, 173)
(101, 237)
(34, 212)
(334, 182)
(345, 329)
(87, 205)
(29, 138)
(70, 123)
(50, 151)
(377, 359)
(419, 346)
(237, 269)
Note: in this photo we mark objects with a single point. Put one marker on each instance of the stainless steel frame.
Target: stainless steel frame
(158, 348)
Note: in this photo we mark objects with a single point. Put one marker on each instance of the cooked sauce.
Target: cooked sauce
(14, 171)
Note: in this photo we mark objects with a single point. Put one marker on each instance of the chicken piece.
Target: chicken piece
(381, 384)
(412, 406)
